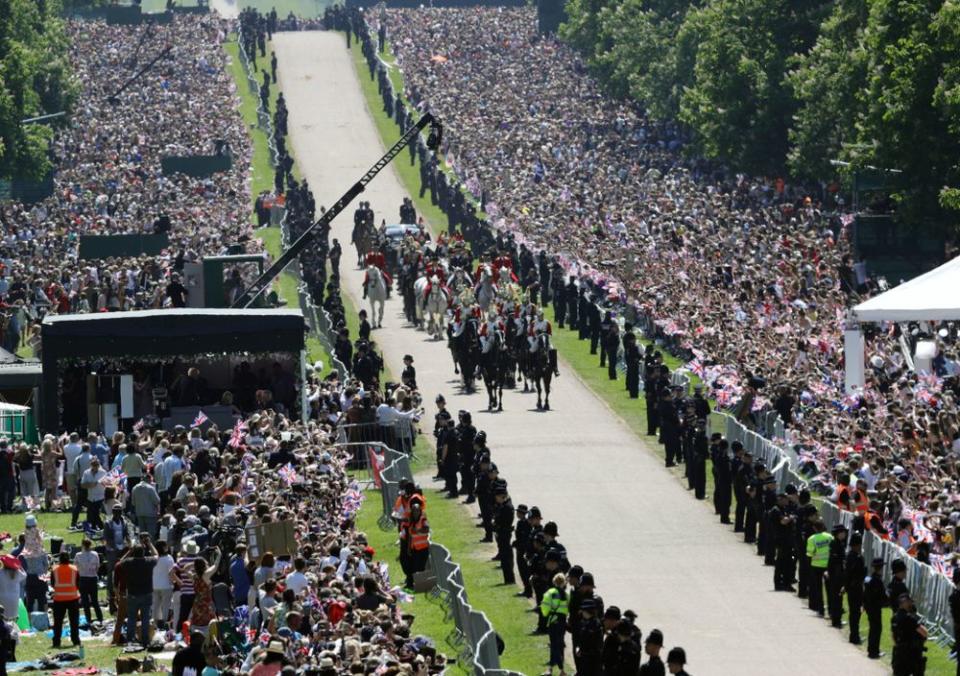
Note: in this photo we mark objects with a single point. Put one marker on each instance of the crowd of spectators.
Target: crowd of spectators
(747, 278)
(108, 177)
(180, 553)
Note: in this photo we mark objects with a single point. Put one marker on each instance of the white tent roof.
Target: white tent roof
(934, 296)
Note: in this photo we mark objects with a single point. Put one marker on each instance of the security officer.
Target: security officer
(449, 440)
(742, 468)
(583, 312)
(754, 499)
(628, 653)
(466, 433)
(632, 358)
(440, 420)
(855, 571)
(806, 518)
(611, 342)
(676, 659)
(836, 574)
(768, 500)
(909, 636)
(602, 328)
(781, 526)
(572, 295)
(698, 468)
(651, 384)
(503, 527)
(588, 647)
(874, 599)
(521, 541)
(818, 551)
(700, 404)
(897, 584)
(722, 476)
(526, 552)
(559, 292)
(669, 427)
(652, 646)
(487, 474)
(688, 431)
(611, 646)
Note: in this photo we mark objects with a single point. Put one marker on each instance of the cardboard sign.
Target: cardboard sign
(276, 537)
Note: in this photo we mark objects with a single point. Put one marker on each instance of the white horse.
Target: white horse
(433, 305)
(376, 288)
(486, 289)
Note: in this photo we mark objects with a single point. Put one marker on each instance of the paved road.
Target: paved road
(656, 549)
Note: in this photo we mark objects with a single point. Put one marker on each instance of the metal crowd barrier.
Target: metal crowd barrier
(473, 635)
(929, 588)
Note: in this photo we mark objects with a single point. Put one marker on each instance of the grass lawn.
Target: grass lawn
(451, 524)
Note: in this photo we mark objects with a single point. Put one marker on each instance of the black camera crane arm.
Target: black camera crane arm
(247, 298)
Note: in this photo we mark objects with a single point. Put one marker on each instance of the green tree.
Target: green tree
(34, 80)
(826, 82)
(740, 105)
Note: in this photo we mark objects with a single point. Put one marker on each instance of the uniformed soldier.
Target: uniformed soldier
(588, 648)
(836, 574)
(855, 571)
(874, 599)
(909, 636)
(503, 527)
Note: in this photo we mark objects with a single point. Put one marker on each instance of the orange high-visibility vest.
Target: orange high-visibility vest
(869, 518)
(861, 504)
(419, 538)
(65, 583)
(840, 505)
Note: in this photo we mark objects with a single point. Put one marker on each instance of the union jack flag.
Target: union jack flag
(200, 419)
(236, 438)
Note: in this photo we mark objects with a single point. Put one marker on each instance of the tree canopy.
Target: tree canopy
(777, 86)
(34, 80)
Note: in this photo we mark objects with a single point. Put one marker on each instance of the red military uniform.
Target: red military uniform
(379, 260)
(503, 262)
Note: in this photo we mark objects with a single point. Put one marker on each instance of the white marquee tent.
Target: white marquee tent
(933, 296)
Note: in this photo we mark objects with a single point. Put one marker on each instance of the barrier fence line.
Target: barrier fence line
(473, 635)
(263, 115)
(929, 589)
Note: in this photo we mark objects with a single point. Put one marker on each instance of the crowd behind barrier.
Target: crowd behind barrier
(448, 194)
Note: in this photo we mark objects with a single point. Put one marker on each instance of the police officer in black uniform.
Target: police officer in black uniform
(836, 574)
(597, 326)
(588, 647)
(632, 358)
(897, 584)
(722, 476)
(909, 636)
(440, 420)
(559, 291)
(486, 473)
(503, 527)
(669, 427)
(855, 571)
(781, 523)
(874, 599)
(466, 433)
(611, 345)
(572, 295)
(698, 469)
(521, 541)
